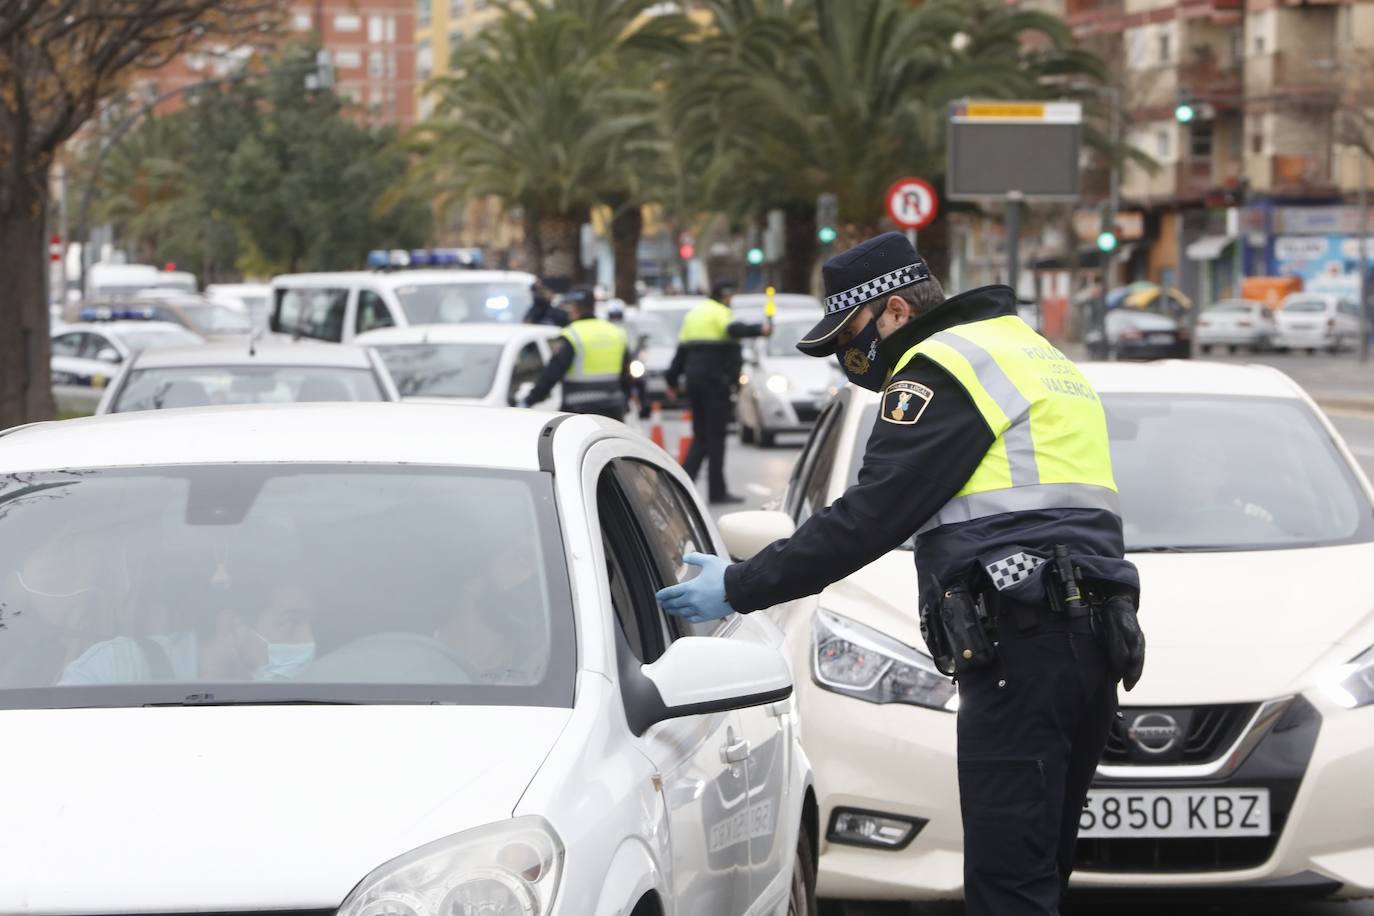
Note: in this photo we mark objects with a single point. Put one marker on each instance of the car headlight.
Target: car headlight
(1352, 684)
(778, 384)
(859, 661)
(636, 369)
(510, 868)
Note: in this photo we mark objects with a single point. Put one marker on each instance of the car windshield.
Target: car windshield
(786, 335)
(195, 386)
(156, 339)
(282, 583)
(453, 370)
(1259, 473)
(659, 327)
(1305, 305)
(458, 303)
(1145, 321)
(211, 319)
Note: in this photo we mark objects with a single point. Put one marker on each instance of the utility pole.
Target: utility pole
(1113, 205)
(1014, 241)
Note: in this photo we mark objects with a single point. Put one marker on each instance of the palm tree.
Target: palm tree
(844, 96)
(551, 109)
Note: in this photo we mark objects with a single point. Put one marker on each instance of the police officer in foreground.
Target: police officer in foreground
(592, 360)
(991, 448)
(708, 354)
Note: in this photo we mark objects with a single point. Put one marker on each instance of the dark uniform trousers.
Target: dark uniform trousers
(1032, 727)
(709, 399)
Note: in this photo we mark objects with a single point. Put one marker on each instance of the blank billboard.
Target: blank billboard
(990, 159)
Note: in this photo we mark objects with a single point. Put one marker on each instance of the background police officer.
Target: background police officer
(708, 354)
(592, 361)
(542, 310)
(991, 448)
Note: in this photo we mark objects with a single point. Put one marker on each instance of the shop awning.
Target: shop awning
(1209, 247)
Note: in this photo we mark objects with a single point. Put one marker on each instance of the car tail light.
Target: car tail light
(1131, 334)
(1181, 333)
(1204, 323)
(1243, 323)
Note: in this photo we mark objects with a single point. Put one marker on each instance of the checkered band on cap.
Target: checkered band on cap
(871, 289)
(1008, 571)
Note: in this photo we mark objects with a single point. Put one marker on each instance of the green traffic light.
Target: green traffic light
(826, 234)
(1106, 241)
(1184, 113)
(755, 256)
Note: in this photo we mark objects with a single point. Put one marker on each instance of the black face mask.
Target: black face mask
(860, 360)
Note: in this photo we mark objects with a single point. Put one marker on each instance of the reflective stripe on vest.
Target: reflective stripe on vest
(706, 323)
(1050, 446)
(599, 350)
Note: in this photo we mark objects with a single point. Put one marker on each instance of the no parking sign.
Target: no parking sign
(912, 203)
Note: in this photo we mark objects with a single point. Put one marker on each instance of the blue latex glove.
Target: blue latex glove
(703, 598)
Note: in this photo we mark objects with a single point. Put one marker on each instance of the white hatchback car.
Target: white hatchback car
(258, 373)
(1241, 761)
(491, 364)
(781, 390)
(87, 355)
(251, 661)
(1317, 321)
(1236, 323)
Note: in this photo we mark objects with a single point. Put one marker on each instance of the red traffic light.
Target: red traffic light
(170, 266)
(686, 251)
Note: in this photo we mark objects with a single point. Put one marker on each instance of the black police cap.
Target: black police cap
(865, 272)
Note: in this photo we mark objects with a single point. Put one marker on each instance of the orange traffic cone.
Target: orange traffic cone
(684, 445)
(656, 425)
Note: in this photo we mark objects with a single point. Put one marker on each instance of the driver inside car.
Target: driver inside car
(260, 633)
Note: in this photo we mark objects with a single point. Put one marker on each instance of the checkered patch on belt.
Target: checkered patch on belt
(1008, 571)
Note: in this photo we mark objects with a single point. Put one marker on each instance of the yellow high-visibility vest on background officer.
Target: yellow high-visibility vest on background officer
(708, 355)
(592, 360)
(990, 450)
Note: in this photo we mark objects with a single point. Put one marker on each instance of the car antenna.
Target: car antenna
(253, 341)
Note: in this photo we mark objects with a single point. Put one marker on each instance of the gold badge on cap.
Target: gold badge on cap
(904, 402)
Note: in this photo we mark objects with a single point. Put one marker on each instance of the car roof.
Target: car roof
(404, 277)
(473, 332)
(786, 300)
(117, 326)
(427, 434)
(1190, 376)
(301, 353)
(673, 303)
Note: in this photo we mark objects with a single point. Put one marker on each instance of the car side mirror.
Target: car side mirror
(700, 675)
(108, 355)
(747, 533)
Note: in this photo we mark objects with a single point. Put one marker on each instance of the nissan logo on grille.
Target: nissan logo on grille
(1154, 732)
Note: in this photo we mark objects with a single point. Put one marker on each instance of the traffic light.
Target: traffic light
(1106, 241)
(1186, 110)
(685, 251)
(826, 234)
(755, 256)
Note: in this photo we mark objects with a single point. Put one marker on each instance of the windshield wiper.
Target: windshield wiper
(209, 699)
(1196, 548)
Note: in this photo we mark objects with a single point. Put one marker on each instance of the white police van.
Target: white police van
(338, 306)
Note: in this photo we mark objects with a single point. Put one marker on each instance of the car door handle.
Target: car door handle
(736, 752)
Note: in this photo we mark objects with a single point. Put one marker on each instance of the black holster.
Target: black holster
(964, 619)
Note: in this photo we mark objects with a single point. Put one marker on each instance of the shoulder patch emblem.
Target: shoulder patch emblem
(904, 402)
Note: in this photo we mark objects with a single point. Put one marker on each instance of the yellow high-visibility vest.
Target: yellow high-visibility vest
(1050, 449)
(599, 349)
(706, 323)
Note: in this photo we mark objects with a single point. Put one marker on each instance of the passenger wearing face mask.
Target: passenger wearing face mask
(253, 634)
(990, 449)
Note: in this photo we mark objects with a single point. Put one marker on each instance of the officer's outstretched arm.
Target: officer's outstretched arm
(552, 373)
(926, 443)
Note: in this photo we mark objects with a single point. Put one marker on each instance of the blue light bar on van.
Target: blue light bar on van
(377, 260)
(399, 257)
(105, 313)
(421, 257)
(444, 257)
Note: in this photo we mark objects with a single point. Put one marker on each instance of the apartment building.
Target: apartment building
(1241, 104)
(370, 42)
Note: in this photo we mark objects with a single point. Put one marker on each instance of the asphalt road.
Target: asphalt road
(760, 475)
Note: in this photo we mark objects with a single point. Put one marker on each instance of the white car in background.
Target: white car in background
(1317, 321)
(336, 307)
(781, 389)
(1236, 323)
(86, 355)
(462, 697)
(252, 299)
(258, 373)
(491, 364)
(1241, 760)
(653, 328)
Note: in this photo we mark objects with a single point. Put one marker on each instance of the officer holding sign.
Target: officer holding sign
(990, 448)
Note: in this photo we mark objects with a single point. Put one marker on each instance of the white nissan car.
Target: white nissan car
(252, 661)
(1242, 760)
